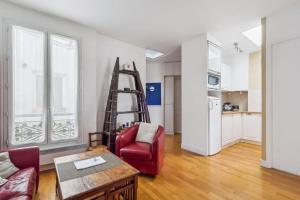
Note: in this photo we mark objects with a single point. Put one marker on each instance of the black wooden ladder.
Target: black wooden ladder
(111, 112)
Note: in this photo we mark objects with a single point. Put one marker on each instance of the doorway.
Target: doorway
(172, 104)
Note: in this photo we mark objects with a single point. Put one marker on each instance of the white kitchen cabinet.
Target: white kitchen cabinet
(237, 126)
(239, 72)
(252, 127)
(214, 58)
(225, 77)
(231, 128)
(227, 131)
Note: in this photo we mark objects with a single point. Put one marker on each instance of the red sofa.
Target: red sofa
(148, 158)
(23, 184)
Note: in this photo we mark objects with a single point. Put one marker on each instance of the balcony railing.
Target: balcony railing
(30, 128)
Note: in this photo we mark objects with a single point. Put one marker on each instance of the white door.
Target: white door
(169, 104)
(177, 104)
(286, 109)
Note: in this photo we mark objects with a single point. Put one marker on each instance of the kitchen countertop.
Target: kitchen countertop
(239, 112)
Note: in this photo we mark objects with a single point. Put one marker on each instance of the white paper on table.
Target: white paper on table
(82, 164)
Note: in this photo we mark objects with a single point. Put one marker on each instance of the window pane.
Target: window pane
(28, 119)
(64, 75)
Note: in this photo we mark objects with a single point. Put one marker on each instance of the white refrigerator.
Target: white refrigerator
(214, 125)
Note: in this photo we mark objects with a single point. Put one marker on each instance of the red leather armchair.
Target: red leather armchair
(24, 183)
(148, 158)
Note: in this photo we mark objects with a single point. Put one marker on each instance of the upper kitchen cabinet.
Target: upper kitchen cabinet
(214, 58)
(225, 77)
(239, 70)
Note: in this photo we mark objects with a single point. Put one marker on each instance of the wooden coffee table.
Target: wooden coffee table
(118, 182)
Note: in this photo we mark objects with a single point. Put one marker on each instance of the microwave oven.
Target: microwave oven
(214, 81)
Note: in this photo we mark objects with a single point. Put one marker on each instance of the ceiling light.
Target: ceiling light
(153, 54)
(237, 48)
(254, 35)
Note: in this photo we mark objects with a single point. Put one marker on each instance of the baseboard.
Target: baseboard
(265, 163)
(47, 167)
(193, 149)
(250, 141)
(231, 144)
(169, 133)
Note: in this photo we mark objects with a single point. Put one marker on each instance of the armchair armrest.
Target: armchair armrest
(158, 147)
(26, 157)
(125, 138)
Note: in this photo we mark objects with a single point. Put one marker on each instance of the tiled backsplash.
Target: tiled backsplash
(236, 98)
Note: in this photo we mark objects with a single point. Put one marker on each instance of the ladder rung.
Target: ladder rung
(107, 133)
(128, 112)
(129, 91)
(129, 72)
(107, 122)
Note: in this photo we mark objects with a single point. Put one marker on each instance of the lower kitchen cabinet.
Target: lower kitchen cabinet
(252, 127)
(237, 126)
(227, 129)
(231, 128)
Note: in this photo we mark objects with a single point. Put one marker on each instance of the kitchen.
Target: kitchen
(234, 94)
(226, 67)
(241, 98)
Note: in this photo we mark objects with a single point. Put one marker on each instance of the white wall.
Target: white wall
(108, 50)
(283, 47)
(194, 95)
(156, 73)
(98, 54)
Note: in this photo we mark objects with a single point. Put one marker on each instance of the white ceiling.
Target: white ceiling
(162, 24)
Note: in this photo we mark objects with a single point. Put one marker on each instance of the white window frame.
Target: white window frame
(7, 92)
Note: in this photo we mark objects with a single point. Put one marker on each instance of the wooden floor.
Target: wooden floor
(234, 173)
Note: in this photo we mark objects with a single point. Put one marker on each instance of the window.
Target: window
(43, 104)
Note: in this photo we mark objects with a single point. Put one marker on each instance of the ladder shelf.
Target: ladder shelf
(111, 112)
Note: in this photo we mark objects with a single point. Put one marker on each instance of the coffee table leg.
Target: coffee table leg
(57, 188)
(135, 188)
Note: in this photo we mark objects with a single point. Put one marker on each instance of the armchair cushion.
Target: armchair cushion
(7, 168)
(146, 133)
(137, 151)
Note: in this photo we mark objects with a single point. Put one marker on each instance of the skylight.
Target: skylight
(254, 35)
(152, 54)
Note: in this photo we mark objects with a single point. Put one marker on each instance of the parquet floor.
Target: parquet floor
(234, 173)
